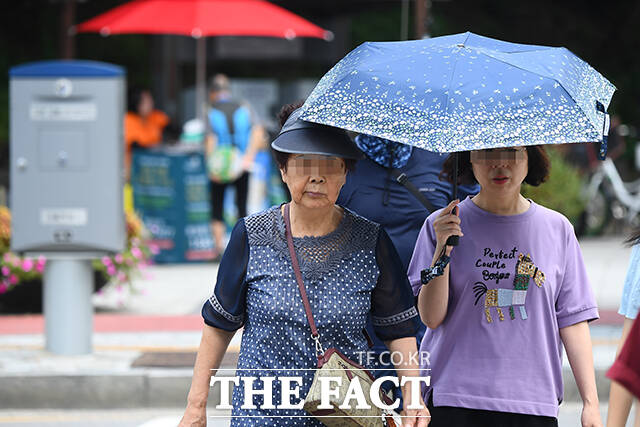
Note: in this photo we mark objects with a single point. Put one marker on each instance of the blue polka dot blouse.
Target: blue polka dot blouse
(348, 274)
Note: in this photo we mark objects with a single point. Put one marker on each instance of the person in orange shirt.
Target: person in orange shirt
(143, 125)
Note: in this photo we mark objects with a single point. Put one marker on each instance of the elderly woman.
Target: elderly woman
(349, 267)
(499, 305)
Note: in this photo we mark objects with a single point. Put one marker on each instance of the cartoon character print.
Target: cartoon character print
(516, 297)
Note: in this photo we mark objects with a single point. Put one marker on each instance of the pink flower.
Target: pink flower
(119, 258)
(106, 261)
(13, 279)
(27, 264)
(42, 259)
(3, 288)
(5, 270)
(154, 249)
(119, 288)
(7, 257)
(15, 262)
(39, 267)
(111, 270)
(130, 262)
(136, 252)
(122, 277)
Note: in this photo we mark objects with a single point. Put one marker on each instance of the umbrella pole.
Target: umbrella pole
(455, 174)
(201, 72)
(454, 240)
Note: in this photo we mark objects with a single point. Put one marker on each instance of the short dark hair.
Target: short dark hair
(219, 83)
(134, 95)
(538, 167)
(281, 157)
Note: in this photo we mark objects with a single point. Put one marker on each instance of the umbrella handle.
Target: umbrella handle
(454, 240)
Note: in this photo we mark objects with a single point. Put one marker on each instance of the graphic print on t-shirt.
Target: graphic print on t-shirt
(498, 297)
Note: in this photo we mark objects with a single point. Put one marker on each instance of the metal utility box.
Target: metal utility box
(66, 142)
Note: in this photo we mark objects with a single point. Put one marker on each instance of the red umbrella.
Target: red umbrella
(202, 18)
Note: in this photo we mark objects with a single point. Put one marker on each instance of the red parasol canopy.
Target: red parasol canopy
(198, 18)
(202, 18)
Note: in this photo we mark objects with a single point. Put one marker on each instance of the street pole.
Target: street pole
(67, 20)
(404, 20)
(201, 73)
(421, 22)
(67, 305)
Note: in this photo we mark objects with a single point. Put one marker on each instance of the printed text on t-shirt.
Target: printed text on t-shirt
(494, 268)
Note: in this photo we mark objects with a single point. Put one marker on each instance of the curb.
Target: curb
(156, 389)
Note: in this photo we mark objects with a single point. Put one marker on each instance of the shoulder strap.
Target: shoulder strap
(402, 178)
(296, 270)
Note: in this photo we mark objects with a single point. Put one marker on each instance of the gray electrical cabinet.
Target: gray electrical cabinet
(66, 142)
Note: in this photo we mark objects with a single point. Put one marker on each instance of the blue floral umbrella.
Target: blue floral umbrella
(464, 92)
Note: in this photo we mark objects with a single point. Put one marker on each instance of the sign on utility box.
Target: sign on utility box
(66, 157)
(66, 142)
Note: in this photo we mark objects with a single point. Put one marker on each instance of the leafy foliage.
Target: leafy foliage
(562, 192)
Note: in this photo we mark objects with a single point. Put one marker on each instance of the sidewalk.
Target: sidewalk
(165, 324)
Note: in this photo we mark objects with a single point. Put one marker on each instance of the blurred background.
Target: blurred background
(147, 322)
(268, 72)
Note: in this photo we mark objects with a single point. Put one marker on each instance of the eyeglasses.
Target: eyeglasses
(492, 155)
(315, 164)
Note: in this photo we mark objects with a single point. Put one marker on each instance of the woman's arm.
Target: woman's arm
(406, 367)
(433, 299)
(213, 346)
(257, 141)
(577, 343)
(619, 397)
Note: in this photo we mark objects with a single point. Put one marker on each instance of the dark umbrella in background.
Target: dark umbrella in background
(464, 92)
(203, 18)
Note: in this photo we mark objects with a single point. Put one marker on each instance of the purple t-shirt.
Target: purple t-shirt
(514, 282)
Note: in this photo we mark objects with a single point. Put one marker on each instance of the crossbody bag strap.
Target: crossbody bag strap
(303, 291)
(403, 179)
(296, 270)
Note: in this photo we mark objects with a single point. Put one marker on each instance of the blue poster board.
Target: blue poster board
(171, 195)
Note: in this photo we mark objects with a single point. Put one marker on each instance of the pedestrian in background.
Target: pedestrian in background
(349, 267)
(143, 127)
(499, 305)
(620, 399)
(231, 147)
(625, 371)
(143, 124)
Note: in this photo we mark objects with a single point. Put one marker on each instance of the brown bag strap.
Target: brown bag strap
(296, 270)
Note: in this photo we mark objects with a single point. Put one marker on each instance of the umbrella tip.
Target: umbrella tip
(196, 33)
(328, 36)
(105, 31)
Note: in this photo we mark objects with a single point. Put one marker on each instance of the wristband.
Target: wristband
(431, 273)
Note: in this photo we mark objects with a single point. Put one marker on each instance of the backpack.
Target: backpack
(231, 122)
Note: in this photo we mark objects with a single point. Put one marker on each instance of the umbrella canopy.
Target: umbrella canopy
(463, 92)
(202, 18)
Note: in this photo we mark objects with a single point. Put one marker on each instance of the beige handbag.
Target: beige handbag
(332, 363)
